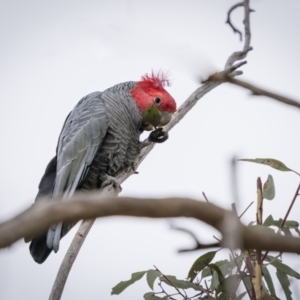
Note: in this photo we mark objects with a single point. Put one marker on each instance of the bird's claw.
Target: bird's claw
(158, 136)
(110, 182)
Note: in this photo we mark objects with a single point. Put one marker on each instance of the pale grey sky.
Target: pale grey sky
(53, 53)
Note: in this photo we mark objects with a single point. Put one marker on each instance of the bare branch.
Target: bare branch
(220, 77)
(228, 21)
(89, 206)
(198, 245)
(239, 55)
(67, 263)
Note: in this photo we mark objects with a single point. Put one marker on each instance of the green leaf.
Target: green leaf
(224, 296)
(286, 231)
(269, 221)
(230, 283)
(291, 224)
(275, 262)
(262, 228)
(151, 296)
(200, 264)
(151, 115)
(287, 225)
(273, 163)
(121, 286)
(215, 282)
(217, 276)
(151, 276)
(269, 188)
(285, 283)
(248, 284)
(181, 284)
(224, 265)
(268, 280)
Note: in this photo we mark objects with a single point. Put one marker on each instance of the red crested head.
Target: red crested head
(150, 91)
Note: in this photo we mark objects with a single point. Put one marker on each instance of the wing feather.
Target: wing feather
(79, 141)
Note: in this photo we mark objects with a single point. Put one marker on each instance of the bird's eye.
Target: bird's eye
(157, 100)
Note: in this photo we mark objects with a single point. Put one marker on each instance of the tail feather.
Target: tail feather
(54, 235)
(38, 248)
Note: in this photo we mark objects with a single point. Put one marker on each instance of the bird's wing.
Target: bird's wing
(82, 135)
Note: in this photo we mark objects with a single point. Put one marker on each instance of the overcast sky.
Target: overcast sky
(55, 52)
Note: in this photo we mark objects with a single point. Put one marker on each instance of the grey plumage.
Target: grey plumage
(100, 138)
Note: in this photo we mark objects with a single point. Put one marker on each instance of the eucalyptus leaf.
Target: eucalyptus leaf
(291, 224)
(230, 283)
(268, 280)
(275, 262)
(151, 276)
(200, 264)
(121, 286)
(269, 221)
(273, 163)
(285, 283)
(261, 228)
(286, 230)
(269, 188)
(217, 276)
(224, 265)
(181, 284)
(152, 296)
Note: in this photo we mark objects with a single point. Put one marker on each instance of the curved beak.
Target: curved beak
(147, 126)
(165, 118)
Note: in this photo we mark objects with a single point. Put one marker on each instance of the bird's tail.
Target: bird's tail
(38, 248)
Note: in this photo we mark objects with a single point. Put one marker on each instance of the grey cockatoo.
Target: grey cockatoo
(100, 138)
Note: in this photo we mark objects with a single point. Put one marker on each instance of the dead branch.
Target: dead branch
(198, 245)
(228, 21)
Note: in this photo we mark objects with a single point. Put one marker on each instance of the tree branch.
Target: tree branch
(228, 21)
(198, 245)
(220, 77)
(91, 205)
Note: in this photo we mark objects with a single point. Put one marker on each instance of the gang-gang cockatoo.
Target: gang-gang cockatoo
(99, 139)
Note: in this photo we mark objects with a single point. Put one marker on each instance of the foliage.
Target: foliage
(235, 278)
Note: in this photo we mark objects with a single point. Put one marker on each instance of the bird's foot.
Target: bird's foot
(158, 136)
(110, 183)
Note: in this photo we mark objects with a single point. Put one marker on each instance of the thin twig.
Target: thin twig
(228, 21)
(257, 278)
(198, 245)
(290, 208)
(248, 266)
(255, 90)
(205, 197)
(170, 282)
(286, 215)
(239, 55)
(241, 276)
(240, 216)
(234, 183)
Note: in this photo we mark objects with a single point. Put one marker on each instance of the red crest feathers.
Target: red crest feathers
(157, 79)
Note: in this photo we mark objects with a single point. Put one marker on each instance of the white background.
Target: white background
(54, 52)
